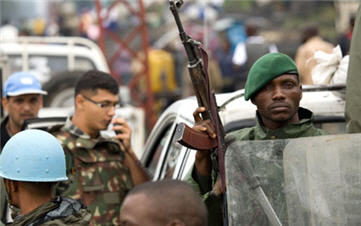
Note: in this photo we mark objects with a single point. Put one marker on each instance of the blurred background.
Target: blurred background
(141, 46)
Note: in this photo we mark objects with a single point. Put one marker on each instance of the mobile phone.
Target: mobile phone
(117, 131)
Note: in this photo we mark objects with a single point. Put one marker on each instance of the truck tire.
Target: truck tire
(61, 89)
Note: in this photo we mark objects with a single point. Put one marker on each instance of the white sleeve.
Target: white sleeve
(272, 48)
(240, 54)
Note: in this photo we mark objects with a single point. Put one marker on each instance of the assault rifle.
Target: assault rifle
(197, 66)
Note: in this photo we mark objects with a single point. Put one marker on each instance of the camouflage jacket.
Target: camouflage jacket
(96, 173)
(60, 211)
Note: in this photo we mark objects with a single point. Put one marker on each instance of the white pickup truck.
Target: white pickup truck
(58, 62)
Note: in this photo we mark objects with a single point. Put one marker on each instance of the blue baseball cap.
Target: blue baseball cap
(21, 83)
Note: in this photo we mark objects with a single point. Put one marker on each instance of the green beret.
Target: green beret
(266, 69)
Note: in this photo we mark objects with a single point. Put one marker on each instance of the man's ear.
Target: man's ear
(301, 91)
(79, 100)
(11, 186)
(4, 102)
(252, 100)
(41, 99)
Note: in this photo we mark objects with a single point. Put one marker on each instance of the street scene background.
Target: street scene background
(142, 48)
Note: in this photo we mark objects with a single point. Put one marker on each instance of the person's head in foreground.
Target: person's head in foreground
(31, 162)
(163, 203)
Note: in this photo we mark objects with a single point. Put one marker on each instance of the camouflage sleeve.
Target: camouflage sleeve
(69, 161)
(202, 184)
(213, 203)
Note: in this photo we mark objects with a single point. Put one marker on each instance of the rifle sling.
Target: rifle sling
(214, 112)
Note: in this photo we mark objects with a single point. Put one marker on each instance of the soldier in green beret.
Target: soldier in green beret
(272, 85)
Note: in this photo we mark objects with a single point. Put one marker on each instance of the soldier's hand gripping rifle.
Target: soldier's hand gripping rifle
(197, 66)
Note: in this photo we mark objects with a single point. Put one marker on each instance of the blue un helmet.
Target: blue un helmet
(34, 156)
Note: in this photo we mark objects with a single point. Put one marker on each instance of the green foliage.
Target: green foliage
(238, 5)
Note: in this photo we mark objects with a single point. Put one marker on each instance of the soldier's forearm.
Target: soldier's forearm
(203, 163)
(137, 171)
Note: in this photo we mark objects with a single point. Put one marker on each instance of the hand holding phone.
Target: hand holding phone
(122, 131)
(117, 131)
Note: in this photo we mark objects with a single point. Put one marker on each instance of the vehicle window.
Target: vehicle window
(171, 159)
(40, 63)
(332, 127)
(83, 64)
(46, 64)
(55, 63)
(15, 64)
(156, 153)
(332, 124)
(187, 163)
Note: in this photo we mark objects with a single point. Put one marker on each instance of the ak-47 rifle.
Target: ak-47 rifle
(185, 135)
(197, 66)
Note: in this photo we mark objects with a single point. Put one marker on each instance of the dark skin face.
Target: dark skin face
(278, 102)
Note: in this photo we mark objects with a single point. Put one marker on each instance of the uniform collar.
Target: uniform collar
(291, 130)
(83, 140)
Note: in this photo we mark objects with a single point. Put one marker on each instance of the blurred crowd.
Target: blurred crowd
(232, 47)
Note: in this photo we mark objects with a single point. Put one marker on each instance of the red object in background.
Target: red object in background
(121, 44)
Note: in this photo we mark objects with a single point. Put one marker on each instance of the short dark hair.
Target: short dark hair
(309, 31)
(251, 29)
(93, 80)
(174, 199)
(352, 21)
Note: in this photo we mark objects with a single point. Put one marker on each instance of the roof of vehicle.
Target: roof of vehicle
(55, 46)
(321, 100)
(235, 112)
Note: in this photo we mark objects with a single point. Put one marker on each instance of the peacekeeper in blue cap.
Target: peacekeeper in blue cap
(272, 85)
(31, 163)
(22, 99)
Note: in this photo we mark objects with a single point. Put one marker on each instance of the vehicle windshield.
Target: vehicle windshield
(46, 65)
(306, 181)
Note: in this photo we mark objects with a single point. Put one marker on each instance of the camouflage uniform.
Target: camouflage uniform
(60, 211)
(96, 173)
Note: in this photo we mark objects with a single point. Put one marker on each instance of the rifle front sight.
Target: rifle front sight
(176, 3)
